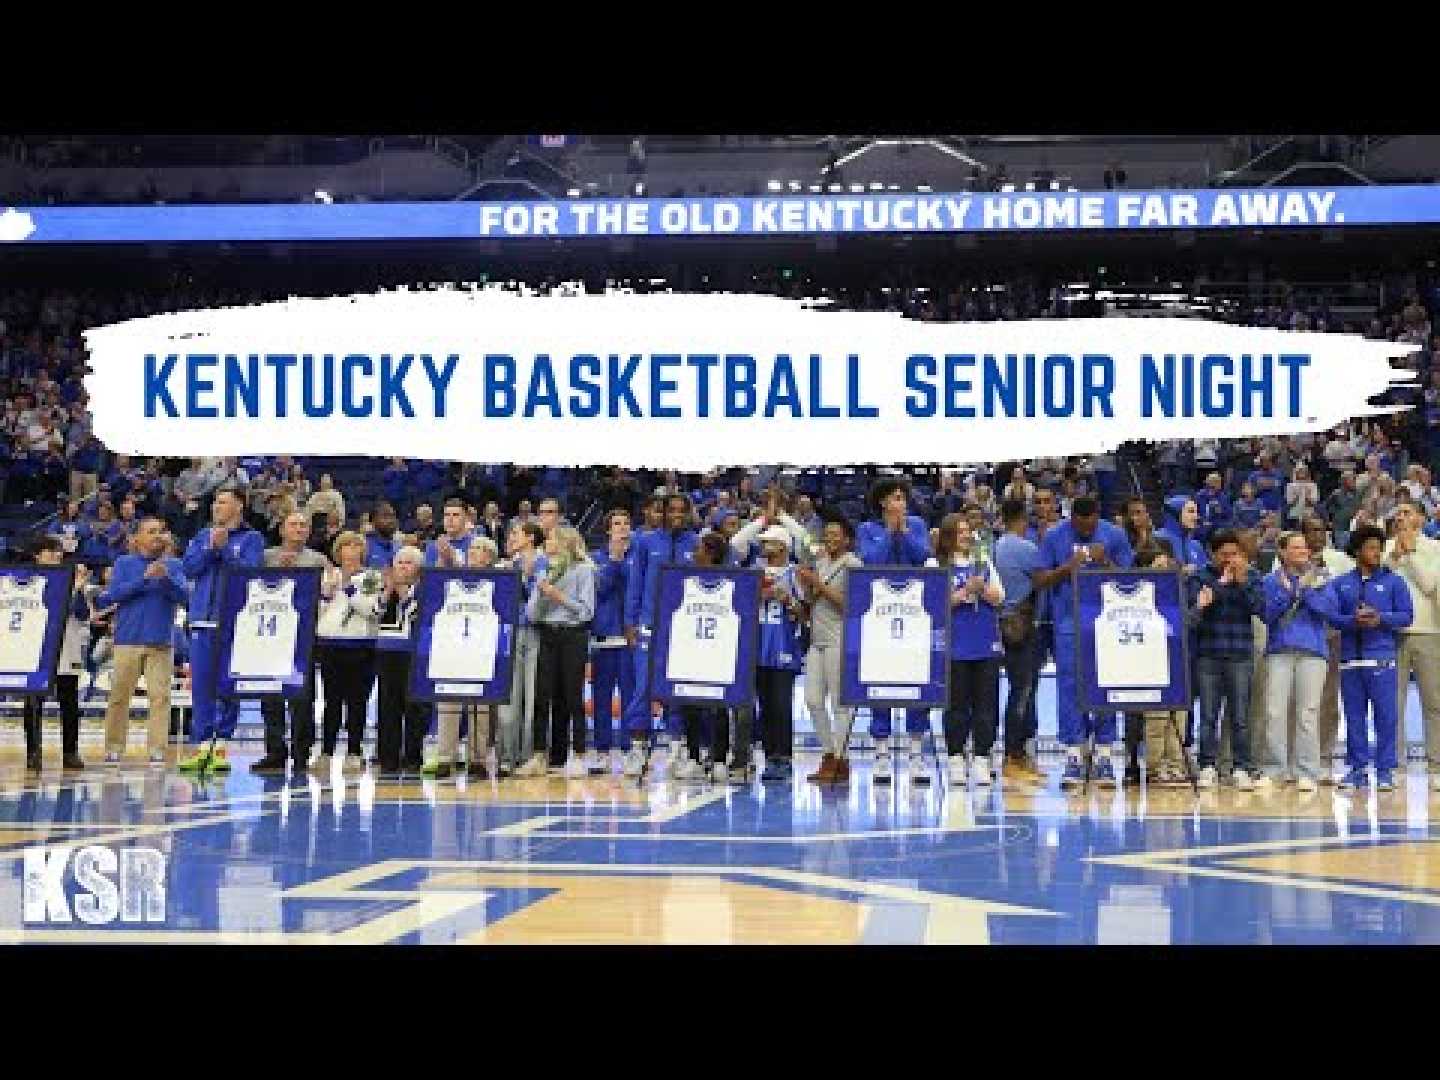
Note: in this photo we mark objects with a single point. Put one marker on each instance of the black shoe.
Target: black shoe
(412, 768)
(503, 771)
(270, 765)
(72, 763)
(391, 772)
(478, 771)
(443, 770)
(32, 761)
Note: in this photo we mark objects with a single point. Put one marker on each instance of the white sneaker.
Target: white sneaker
(958, 776)
(592, 763)
(719, 773)
(353, 765)
(1208, 777)
(634, 763)
(980, 771)
(112, 758)
(1435, 781)
(536, 766)
(689, 771)
(1327, 778)
(1241, 779)
(884, 769)
(1264, 782)
(617, 761)
(157, 757)
(1305, 784)
(919, 771)
(575, 766)
(321, 765)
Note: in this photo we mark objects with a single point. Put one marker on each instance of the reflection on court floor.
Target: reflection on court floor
(601, 861)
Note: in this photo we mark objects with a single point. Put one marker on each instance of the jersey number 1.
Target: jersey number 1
(705, 628)
(266, 628)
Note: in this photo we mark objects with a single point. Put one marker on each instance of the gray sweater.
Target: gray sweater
(578, 604)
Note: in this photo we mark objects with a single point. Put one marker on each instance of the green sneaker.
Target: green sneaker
(220, 762)
(196, 761)
(429, 768)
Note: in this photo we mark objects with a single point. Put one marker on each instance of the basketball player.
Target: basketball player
(707, 727)
(449, 548)
(1416, 558)
(976, 594)
(1298, 607)
(292, 551)
(147, 590)
(1372, 606)
(74, 642)
(823, 588)
(345, 648)
(1224, 597)
(674, 544)
(897, 538)
(1084, 540)
(229, 542)
(611, 664)
(483, 553)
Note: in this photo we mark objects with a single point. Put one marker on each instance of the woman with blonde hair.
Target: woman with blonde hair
(561, 608)
(345, 650)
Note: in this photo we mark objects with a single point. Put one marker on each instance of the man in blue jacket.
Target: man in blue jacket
(898, 538)
(229, 542)
(147, 590)
(1372, 605)
(1082, 540)
(612, 663)
(673, 544)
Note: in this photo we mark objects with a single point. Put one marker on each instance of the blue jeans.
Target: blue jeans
(1227, 679)
(1020, 677)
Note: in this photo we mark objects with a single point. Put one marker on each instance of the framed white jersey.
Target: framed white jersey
(895, 637)
(266, 619)
(1132, 651)
(34, 609)
(705, 644)
(464, 634)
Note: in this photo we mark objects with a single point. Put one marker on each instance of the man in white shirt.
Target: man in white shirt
(1416, 558)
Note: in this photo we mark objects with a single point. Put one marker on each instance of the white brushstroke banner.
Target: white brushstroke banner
(695, 381)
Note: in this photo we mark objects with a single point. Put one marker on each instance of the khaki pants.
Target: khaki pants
(158, 664)
(1162, 745)
(822, 686)
(447, 722)
(1420, 653)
